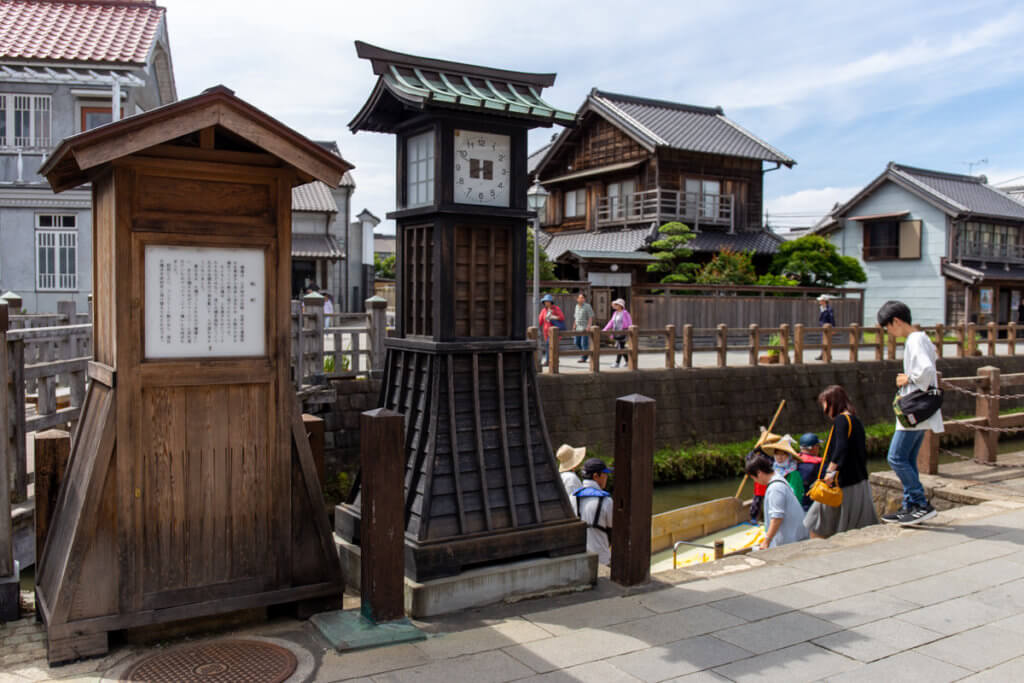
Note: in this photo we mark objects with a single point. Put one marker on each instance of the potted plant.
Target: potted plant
(772, 355)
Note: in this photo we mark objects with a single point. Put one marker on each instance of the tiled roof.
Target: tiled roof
(969, 194)
(332, 146)
(114, 31)
(535, 158)
(609, 240)
(586, 255)
(684, 127)
(760, 242)
(415, 83)
(316, 246)
(314, 196)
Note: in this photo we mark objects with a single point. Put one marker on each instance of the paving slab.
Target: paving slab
(878, 639)
(502, 634)
(768, 603)
(578, 647)
(778, 632)
(338, 667)
(678, 658)
(483, 667)
(685, 623)
(796, 664)
(592, 614)
(591, 672)
(1007, 671)
(860, 609)
(978, 649)
(906, 667)
(954, 616)
(689, 594)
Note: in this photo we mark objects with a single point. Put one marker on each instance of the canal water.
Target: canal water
(674, 496)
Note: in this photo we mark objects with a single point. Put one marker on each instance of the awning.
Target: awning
(600, 170)
(978, 272)
(317, 247)
(880, 216)
(620, 256)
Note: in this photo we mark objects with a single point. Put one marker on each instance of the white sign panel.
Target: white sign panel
(204, 302)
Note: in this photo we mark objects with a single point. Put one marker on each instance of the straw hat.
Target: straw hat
(569, 458)
(773, 443)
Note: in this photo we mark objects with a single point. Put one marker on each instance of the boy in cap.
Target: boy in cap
(594, 506)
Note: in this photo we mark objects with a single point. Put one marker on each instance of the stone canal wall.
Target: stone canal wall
(701, 404)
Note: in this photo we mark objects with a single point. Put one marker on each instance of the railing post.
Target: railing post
(377, 306)
(595, 348)
(854, 343)
(940, 336)
(553, 333)
(382, 561)
(687, 345)
(993, 334)
(784, 343)
(755, 340)
(890, 343)
(961, 348)
(670, 346)
(986, 443)
(8, 582)
(315, 432)
(1011, 338)
(798, 344)
(297, 347)
(631, 498)
(928, 456)
(723, 345)
(531, 335)
(633, 357)
(879, 343)
(972, 339)
(314, 306)
(826, 343)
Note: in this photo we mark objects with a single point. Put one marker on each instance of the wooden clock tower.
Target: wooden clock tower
(481, 481)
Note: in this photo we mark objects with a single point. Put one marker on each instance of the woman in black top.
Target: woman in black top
(847, 466)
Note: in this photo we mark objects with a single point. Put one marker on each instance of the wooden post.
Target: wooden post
(719, 549)
(314, 427)
(890, 342)
(961, 348)
(634, 460)
(66, 310)
(670, 346)
(377, 307)
(6, 551)
(993, 334)
(314, 305)
(879, 343)
(553, 339)
(52, 447)
(826, 343)
(533, 335)
(854, 343)
(798, 344)
(784, 343)
(928, 455)
(986, 443)
(972, 339)
(687, 346)
(1011, 338)
(723, 345)
(633, 357)
(297, 346)
(940, 336)
(595, 348)
(382, 561)
(755, 340)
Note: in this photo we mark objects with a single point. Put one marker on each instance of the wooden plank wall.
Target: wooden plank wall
(483, 271)
(736, 312)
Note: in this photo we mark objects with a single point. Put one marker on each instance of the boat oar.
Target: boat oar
(782, 404)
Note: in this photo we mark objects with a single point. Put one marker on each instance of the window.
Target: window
(891, 239)
(704, 195)
(419, 169)
(576, 204)
(93, 116)
(988, 241)
(620, 197)
(56, 252)
(24, 121)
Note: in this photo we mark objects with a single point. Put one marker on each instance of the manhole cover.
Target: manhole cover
(225, 661)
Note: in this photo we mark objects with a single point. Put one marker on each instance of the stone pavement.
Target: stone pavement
(939, 603)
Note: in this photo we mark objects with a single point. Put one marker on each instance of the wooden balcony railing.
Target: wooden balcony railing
(661, 205)
(975, 249)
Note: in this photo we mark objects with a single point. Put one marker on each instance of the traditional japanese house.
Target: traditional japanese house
(634, 164)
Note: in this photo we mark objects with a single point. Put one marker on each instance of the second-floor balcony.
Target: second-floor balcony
(992, 251)
(661, 206)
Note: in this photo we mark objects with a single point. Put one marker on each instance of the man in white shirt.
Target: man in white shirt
(918, 373)
(594, 507)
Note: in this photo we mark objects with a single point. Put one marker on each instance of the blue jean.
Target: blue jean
(903, 460)
(582, 342)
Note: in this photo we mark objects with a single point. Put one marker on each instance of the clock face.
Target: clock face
(482, 168)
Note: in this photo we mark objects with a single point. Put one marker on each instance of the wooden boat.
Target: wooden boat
(725, 519)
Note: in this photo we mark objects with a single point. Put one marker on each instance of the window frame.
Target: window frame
(414, 167)
(88, 108)
(579, 203)
(38, 117)
(61, 238)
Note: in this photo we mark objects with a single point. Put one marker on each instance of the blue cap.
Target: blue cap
(809, 439)
(547, 297)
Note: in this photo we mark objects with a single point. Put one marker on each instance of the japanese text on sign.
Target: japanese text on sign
(204, 302)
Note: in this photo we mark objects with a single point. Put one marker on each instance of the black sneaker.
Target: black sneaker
(582, 360)
(917, 515)
(894, 517)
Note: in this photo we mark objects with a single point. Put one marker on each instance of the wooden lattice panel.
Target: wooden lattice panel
(483, 281)
(418, 279)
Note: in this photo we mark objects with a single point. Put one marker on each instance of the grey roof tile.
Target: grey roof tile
(314, 196)
(969, 192)
(604, 240)
(316, 246)
(760, 242)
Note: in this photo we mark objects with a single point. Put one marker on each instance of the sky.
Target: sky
(841, 87)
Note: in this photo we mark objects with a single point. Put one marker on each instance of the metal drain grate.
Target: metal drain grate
(224, 661)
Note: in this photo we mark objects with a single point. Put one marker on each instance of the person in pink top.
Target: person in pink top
(617, 325)
(550, 316)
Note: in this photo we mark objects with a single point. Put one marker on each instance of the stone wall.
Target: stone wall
(341, 421)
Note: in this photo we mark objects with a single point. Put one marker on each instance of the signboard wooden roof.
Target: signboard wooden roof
(78, 157)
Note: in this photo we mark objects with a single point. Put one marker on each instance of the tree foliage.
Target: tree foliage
(673, 253)
(384, 268)
(728, 267)
(813, 261)
(547, 268)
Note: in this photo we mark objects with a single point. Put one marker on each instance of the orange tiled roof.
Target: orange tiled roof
(108, 31)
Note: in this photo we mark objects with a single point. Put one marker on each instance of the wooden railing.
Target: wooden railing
(337, 345)
(667, 205)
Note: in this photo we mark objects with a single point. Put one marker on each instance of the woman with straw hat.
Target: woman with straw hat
(569, 459)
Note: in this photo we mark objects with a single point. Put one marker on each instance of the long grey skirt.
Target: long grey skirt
(856, 511)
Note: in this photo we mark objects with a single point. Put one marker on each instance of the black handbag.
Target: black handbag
(917, 406)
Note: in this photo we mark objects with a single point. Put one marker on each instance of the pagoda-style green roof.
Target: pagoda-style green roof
(407, 84)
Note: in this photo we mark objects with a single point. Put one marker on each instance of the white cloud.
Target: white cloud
(805, 207)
